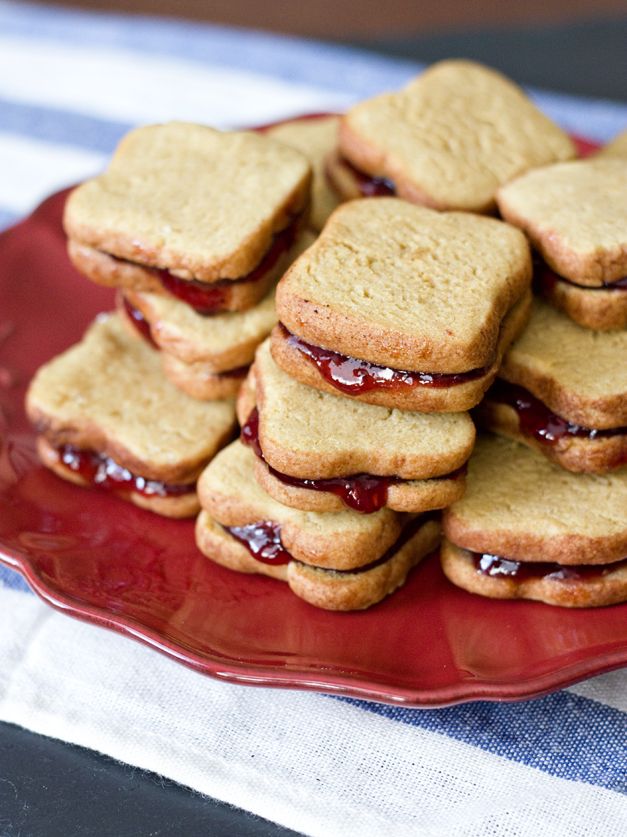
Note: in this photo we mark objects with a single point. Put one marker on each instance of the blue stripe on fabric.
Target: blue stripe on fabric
(7, 217)
(354, 72)
(61, 126)
(13, 580)
(565, 735)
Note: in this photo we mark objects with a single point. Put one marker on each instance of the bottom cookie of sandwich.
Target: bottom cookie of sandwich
(499, 577)
(339, 590)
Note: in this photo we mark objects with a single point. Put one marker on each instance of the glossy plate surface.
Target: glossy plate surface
(103, 560)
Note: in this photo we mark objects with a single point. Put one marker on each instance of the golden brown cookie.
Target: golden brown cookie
(338, 561)
(450, 138)
(321, 452)
(183, 206)
(107, 415)
(575, 215)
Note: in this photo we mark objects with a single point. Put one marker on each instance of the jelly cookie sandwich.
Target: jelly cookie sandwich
(315, 138)
(403, 307)
(575, 215)
(562, 389)
(525, 528)
(184, 210)
(448, 140)
(206, 357)
(337, 561)
(321, 452)
(107, 417)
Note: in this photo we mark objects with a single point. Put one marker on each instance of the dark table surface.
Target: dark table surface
(52, 789)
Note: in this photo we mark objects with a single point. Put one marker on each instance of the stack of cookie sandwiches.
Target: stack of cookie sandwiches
(392, 326)
(194, 227)
(556, 529)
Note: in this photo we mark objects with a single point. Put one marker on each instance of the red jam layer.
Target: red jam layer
(496, 566)
(547, 279)
(354, 377)
(263, 541)
(364, 493)
(536, 420)
(369, 186)
(103, 472)
(211, 297)
(139, 321)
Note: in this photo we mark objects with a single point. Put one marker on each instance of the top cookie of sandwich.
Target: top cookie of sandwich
(521, 506)
(315, 138)
(576, 215)
(452, 136)
(191, 199)
(405, 286)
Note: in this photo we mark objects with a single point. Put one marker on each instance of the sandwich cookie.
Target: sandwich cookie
(403, 307)
(448, 140)
(562, 389)
(575, 215)
(200, 215)
(321, 452)
(526, 528)
(206, 357)
(315, 138)
(107, 417)
(337, 561)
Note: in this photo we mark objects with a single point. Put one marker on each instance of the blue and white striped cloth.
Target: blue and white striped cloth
(70, 85)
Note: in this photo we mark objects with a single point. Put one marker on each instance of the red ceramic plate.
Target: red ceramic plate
(100, 559)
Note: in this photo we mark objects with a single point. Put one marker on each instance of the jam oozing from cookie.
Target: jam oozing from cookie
(136, 317)
(103, 472)
(263, 541)
(353, 376)
(366, 493)
(547, 279)
(368, 185)
(212, 297)
(537, 420)
(496, 566)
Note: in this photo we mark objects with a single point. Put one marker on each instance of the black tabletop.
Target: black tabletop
(52, 789)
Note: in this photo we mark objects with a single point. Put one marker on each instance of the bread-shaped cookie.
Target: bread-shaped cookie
(184, 209)
(316, 138)
(600, 308)
(448, 140)
(527, 528)
(321, 452)
(106, 415)
(563, 390)
(403, 306)
(616, 148)
(575, 215)
(339, 561)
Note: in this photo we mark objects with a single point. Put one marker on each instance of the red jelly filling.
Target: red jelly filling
(369, 186)
(139, 321)
(353, 376)
(496, 566)
(102, 471)
(263, 541)
(547, 279)
(210, 298)
(535, 419)
(364, 493)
